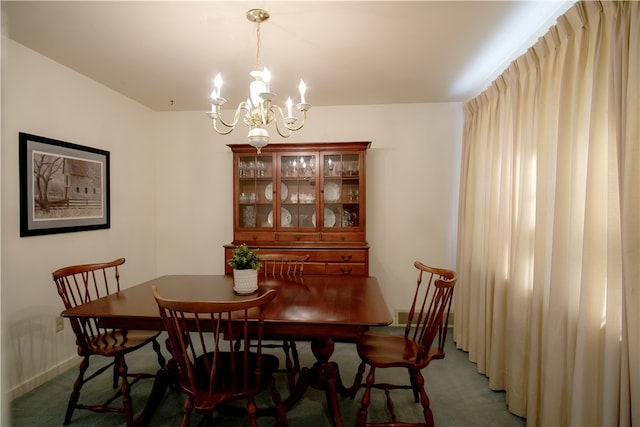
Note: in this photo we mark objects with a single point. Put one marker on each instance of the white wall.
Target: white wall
(171, 187)
(194, 182)
(44, 98)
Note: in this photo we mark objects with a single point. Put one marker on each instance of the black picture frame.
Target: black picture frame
(64, 187)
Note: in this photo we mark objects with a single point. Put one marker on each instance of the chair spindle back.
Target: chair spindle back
(80, 284)
(283, 265)
(430, 308)
(200, 333)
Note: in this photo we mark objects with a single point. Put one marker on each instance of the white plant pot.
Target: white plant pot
(245, 281)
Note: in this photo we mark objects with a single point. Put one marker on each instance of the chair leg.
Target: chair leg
(75, 393)
(294, 355)
(188, 407)
(116, 373)
(292, 367)
(424, 399)
(124, 390)
(357, 381)
(281, 414)
(366, 398)
(390, 405)
(252, 409)
(156, 348)
(414, 386)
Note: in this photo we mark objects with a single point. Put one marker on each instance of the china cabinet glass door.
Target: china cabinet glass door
(299, 191)
(255, 198)
(341, 191)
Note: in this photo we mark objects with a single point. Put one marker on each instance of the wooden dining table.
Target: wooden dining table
(318, 309)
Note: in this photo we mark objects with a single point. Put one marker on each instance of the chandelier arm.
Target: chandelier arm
(304, 119)
(230, 126)
(278, 111)
(283, 134)
(236, 117)
(220, 131)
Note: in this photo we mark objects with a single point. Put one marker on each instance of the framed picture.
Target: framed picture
(64, 187)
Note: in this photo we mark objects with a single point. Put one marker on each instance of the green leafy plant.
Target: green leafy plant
(244, 258)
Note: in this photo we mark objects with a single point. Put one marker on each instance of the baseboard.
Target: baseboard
(42, 378)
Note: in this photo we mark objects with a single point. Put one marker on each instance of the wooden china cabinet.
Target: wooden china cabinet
(303, 199)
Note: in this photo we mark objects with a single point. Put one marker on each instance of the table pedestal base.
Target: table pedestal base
(323, 375)
(164, 379)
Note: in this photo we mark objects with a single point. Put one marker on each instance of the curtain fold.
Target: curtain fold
(549, 226)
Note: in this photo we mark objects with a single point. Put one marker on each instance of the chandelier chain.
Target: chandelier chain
(258, 44)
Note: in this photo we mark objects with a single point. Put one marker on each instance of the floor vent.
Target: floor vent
(401, 317)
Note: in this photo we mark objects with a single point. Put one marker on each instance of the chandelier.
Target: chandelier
(258, 111)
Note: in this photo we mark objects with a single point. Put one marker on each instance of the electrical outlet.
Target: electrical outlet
(59, 324)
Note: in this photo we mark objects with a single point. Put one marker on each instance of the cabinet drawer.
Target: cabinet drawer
(350, 236)
(298, 237)
(345, 269)
(255, 236)
(342, 255)
(315, 268)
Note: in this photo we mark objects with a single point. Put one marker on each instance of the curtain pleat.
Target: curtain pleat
(549, 226)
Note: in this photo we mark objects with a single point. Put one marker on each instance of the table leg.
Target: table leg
(166, 377)
(163, 380)
(323, 375)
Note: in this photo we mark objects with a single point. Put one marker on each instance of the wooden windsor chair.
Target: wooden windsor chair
(414, 350)
(212, 371)
(290, 267)
(79, 284)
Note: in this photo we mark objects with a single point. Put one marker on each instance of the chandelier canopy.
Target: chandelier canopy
(258, 111)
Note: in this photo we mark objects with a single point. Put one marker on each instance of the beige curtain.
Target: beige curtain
(549, 233)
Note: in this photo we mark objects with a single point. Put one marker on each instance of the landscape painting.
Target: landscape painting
(64, 187)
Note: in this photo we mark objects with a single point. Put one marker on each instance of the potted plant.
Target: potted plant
(245, 264)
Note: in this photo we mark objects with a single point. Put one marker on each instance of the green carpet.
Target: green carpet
(459, 396)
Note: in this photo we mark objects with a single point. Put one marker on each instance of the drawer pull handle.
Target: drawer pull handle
(346, 271)
(346, 257)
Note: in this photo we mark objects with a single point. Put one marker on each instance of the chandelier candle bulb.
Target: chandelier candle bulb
(289, 104)
(217, 82)
(303, 89)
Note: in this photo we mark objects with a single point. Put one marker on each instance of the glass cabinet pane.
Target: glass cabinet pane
(341, 190)
(255, 176)
(298, 174)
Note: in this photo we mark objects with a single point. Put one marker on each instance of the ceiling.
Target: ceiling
(165, 54)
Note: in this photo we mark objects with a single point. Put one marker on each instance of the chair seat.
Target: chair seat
(207, 401)
(387, 351)
(225, 377)
(118, 341)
